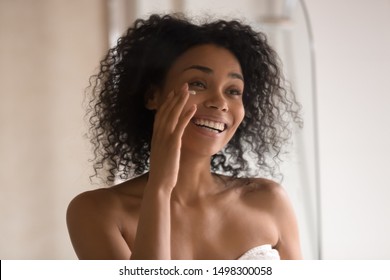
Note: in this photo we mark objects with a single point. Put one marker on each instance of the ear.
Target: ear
(151, 99)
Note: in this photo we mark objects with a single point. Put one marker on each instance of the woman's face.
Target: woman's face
(215, 75)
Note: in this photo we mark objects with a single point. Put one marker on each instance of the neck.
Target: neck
(195, 180)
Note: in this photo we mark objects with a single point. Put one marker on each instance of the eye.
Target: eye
(234, 91)
(197, 85)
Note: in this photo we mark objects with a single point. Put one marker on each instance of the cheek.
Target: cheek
(240, 114)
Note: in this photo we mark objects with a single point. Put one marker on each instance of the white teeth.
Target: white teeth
(211, 125)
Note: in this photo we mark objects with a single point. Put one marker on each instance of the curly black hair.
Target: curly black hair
(121, 126)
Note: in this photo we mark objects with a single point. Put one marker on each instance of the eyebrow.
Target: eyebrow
(208, 70)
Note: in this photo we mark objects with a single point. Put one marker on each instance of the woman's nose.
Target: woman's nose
(216, 100)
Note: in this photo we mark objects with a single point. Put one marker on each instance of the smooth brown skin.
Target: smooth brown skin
(180, 210)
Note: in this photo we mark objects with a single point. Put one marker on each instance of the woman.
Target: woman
(177, 107)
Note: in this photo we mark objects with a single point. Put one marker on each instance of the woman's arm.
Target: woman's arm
(288, 243)
(93, 226)
(153, 237)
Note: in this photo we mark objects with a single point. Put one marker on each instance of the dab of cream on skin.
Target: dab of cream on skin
(192, 92)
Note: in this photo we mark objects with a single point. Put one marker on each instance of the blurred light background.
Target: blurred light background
(336, 174)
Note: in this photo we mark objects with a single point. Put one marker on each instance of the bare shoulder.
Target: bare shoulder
(96, 221)
(99, 202)
(261, 191)
(272, 198)
(105, 201)
(94, 226)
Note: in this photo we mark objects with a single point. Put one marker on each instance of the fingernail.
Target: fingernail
(185, 86)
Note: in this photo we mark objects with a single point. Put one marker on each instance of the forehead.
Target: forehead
(217, 58)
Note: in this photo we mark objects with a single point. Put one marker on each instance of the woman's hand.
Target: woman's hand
(153, 238)
(170, 121)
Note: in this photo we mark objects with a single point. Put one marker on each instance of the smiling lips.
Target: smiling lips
(214, 126)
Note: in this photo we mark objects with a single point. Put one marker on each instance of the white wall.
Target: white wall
(352, 41)
(48, 50)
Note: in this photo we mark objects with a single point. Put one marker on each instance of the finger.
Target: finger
(185, 120)
(177, 95)
(177, 110)
(171, 100)
(172, 97)
(170, 114)
(164, 109)
(166, 103)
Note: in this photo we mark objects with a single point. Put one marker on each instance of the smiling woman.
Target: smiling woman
(190, 193)
(218, 100)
